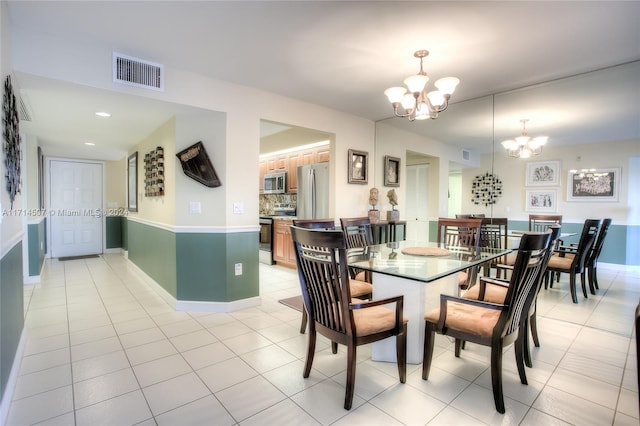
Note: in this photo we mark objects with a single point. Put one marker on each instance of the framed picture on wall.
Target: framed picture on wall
(391, 171)
(358, 165)
(543, 173)
(593, 185)
(541, 200)
(132, 182)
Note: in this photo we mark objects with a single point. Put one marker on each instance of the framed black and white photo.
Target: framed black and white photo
(132, 182)
(593, 185)
(543, 173)
(391, 171)
(541, 200)
(358, 166)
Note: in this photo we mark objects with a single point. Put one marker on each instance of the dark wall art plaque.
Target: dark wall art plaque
(196, 164)
(11, 134)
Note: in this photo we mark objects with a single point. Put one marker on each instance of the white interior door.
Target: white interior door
(75, 208)
(418, 202)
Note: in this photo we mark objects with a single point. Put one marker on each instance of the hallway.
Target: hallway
(101, 347)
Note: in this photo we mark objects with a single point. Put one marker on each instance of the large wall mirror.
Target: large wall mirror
(600, 108)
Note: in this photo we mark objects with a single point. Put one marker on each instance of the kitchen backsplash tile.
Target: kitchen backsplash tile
(268, 201)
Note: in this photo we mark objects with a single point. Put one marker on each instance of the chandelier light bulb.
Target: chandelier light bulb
(394, 94)
(524, 146)
(416, 103)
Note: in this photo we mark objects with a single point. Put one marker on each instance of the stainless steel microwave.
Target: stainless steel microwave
(275, 183)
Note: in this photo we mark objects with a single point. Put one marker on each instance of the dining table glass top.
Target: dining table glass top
(420, 260)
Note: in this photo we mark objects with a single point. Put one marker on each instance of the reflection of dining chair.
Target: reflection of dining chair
(540, 222)
(489, 324)
(359, 288)
(460, 233)
(494, 234)
(321, 257)
(495, 290)
(358, 233)
(575, 264)
(592, 260)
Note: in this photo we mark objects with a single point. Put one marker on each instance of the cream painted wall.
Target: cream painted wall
(291, 138)
(11, 229)
(396, 142)
(157, 209)
(115, 173)
(512, 173)
(76, 61)
(208, 127)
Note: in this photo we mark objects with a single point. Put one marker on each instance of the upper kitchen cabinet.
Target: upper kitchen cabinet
(285, 148)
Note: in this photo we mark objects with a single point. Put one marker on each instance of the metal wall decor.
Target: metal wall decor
(486, 189)
(154, 173)
(11, 134)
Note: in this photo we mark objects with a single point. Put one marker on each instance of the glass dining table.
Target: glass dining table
(420, 271)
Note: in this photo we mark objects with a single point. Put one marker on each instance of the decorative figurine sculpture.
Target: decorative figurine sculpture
(373, 197)
(374, 214)
(393, 214)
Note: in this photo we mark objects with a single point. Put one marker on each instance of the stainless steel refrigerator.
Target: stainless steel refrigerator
(313, 191)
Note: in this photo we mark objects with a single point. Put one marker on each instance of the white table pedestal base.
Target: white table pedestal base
(419, 297)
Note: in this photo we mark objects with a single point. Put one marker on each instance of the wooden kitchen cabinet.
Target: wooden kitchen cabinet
(290, 164)
(283, 253)
(293, 162)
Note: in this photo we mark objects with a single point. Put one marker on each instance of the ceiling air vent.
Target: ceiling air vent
(466, 155)
(137, 72)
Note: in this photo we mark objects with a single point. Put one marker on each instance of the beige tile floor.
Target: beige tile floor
(103, 348)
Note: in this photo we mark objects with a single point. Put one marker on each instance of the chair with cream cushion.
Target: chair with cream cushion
(321, 257)
(460, 233)
(491, 324)
(359, 288)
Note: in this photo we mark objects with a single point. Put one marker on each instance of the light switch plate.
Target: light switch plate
(195, 207)
(238, 208)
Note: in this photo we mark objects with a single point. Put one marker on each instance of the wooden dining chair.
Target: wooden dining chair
(494, 233)
(321, 257)
(592, 260)
(358, 233)
(540, 222)
(494, 290)
(359, 288)
(460, 233)
(491, 324)
(574, 265)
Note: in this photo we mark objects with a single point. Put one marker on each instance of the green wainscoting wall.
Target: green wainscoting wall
(113, 231)
(11, 310)
(196, 266)
(615, 245)
(36, 246)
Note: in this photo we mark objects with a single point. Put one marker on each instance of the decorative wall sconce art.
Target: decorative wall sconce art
(197, 165)
(486, 189)
(11, 135)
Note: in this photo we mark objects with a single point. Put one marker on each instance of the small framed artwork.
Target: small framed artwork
(132, 182)
(391, 171)
(541, 200)
(358, 166)
(593, 185)
(543, 173)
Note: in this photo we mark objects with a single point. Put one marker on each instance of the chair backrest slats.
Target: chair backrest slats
(540, 222)
(357, 231)
(587, 238)
(532, 253)
(322, 269)
(599, 242)
(459, 232)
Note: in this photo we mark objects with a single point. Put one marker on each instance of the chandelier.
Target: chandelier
(524, 146)
(416, 103)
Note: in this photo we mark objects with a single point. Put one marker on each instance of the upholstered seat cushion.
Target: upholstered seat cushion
(374, 320)
(509, 259)
(559, 262)
(360, 288)
(467, 318)
(492, 293)
(463, 277)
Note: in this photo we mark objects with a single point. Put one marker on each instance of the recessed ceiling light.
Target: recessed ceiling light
(103, 114)
(90, 143)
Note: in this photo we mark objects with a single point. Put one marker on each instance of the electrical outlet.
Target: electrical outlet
(238, 268)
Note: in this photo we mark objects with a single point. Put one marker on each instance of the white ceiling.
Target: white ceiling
(343, 55)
